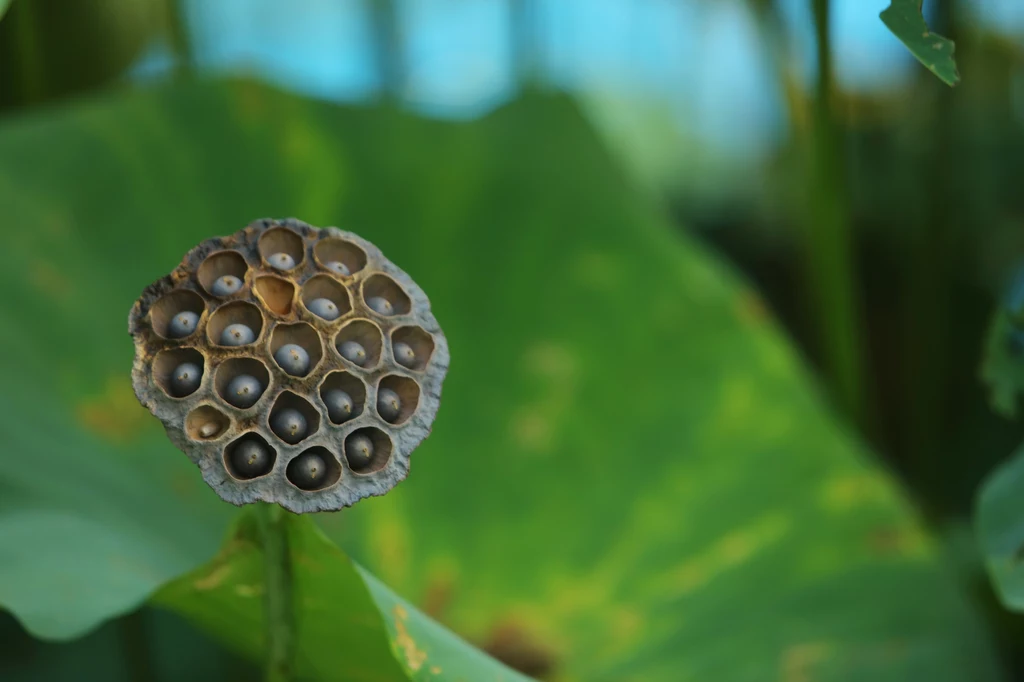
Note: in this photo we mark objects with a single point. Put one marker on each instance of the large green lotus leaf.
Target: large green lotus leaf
(349, 627)
(630, 477)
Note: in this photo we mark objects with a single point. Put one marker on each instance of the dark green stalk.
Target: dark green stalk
(134, 633)
(181, 38)
(828, 242)
(24, 17)
(933, 246)
(278, 602)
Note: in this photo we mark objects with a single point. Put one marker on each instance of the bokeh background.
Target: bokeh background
(877, 213)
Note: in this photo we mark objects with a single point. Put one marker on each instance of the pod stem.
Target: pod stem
(278, 603)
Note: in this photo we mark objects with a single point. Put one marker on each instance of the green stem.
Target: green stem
(934, 245)
(828, 240)
(181, 38)
(24, 17)
(278, 602)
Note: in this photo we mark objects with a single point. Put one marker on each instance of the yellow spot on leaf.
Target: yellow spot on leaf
(435, 670)
(414, 656)
(532, 430)
(730, 551)
(856, 490)
(114, 415)
(213, 579)
(535, 426)
(249, 590)
(389, 542)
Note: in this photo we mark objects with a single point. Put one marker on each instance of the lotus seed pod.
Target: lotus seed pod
(338, 267)
(388, 404)
(354, 352)
(359, 451)
(281, 261)
(293, 359)
(315, 396)
(325, 308)
(244, 391)
(339, 405)
(251, 458)
(307, 470)
(182, 324)
(405, 355)
(237, 334)
(226, 285)
(289, 425)
(186, 379)
(381, 305)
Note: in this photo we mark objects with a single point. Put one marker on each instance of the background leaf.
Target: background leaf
(1003, 365)
(1000, 529)
(630, 478)
(341, 614)
(904, 19)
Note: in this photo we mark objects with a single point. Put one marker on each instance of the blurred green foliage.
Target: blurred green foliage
(52, 48)
(631, 477)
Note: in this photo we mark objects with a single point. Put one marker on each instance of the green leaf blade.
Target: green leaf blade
(340, 609)
(904, 19)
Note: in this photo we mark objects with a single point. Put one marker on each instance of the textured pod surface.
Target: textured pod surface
(208, 429)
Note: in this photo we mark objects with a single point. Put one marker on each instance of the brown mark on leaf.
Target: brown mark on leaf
(114, 415)
(799, 662)
(438, 595)
(513, 645)
(49, 280)
(414, 656)
(898, 541)
(751, 309)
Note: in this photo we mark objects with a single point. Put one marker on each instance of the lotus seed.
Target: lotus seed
(389, 405)
(226, 285)
(209, 429)
(182, 324)
(289, 425)
(338, 267)
(185, 379)
(354, 352)
(325, 308)
(293, 359)
(405, 355)
(251, 458)
(281, 261)
(237, 334)
(381, 305)
(307, 471)
(243, 391)
(339, 405)
(359, 450)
